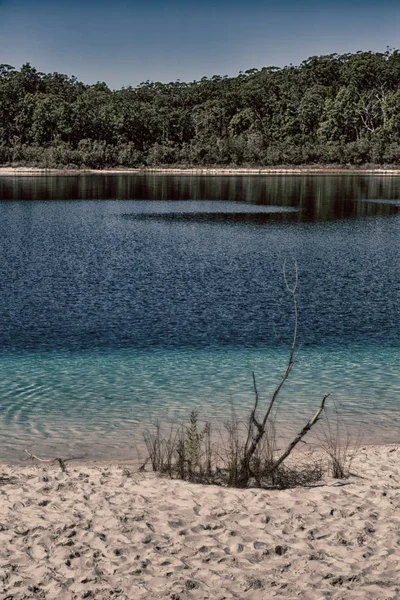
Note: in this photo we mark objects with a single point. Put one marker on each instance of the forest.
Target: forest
(336, 109)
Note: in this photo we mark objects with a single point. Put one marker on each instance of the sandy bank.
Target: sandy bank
(302, 170)
(105, 531)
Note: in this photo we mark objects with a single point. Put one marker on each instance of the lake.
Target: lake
(130, 298)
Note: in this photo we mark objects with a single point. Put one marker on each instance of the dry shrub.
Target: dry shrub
(339, 444)
(190, 452)
(246, 454)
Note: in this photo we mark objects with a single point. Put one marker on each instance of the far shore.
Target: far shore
(209, 171)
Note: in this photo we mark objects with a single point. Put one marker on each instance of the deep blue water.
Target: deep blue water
(127, 298)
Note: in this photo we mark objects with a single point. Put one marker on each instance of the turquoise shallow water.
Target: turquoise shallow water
(97, 403)
(128, 299)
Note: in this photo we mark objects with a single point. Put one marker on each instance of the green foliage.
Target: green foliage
(329, 109)
(185, 451)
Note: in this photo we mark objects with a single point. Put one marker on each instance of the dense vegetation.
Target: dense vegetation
(330, 109)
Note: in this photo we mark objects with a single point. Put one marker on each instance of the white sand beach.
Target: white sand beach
(105, 531)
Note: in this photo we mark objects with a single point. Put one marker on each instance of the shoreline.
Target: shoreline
(206, 171)
(107, 531)
(135, 452)
(136, 461)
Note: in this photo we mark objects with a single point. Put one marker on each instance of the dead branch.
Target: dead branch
(291, 362)
(253, 440)
(60, 461)
(300, 435)
(253, 421)
(257, 429)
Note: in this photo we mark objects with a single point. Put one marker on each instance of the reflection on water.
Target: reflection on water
(395, 202)
(114, 310)
(319, 197)
(205, 211)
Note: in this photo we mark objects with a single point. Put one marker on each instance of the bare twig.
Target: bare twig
(60, 461)
(253, 441)
(300, 435)
(250, 451)
(253, 421)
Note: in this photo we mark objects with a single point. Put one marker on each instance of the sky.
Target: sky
(126, 42)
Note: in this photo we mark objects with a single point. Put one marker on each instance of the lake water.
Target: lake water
(127, 298)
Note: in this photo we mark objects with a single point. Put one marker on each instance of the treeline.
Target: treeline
(341, 109)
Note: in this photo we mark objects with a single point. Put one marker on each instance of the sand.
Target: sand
(301, 170)
(106, 531)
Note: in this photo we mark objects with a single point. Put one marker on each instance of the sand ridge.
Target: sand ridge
(104, 531)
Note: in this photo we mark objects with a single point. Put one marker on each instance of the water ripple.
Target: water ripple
(95, 402)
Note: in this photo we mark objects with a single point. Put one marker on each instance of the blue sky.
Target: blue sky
(124, 42)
